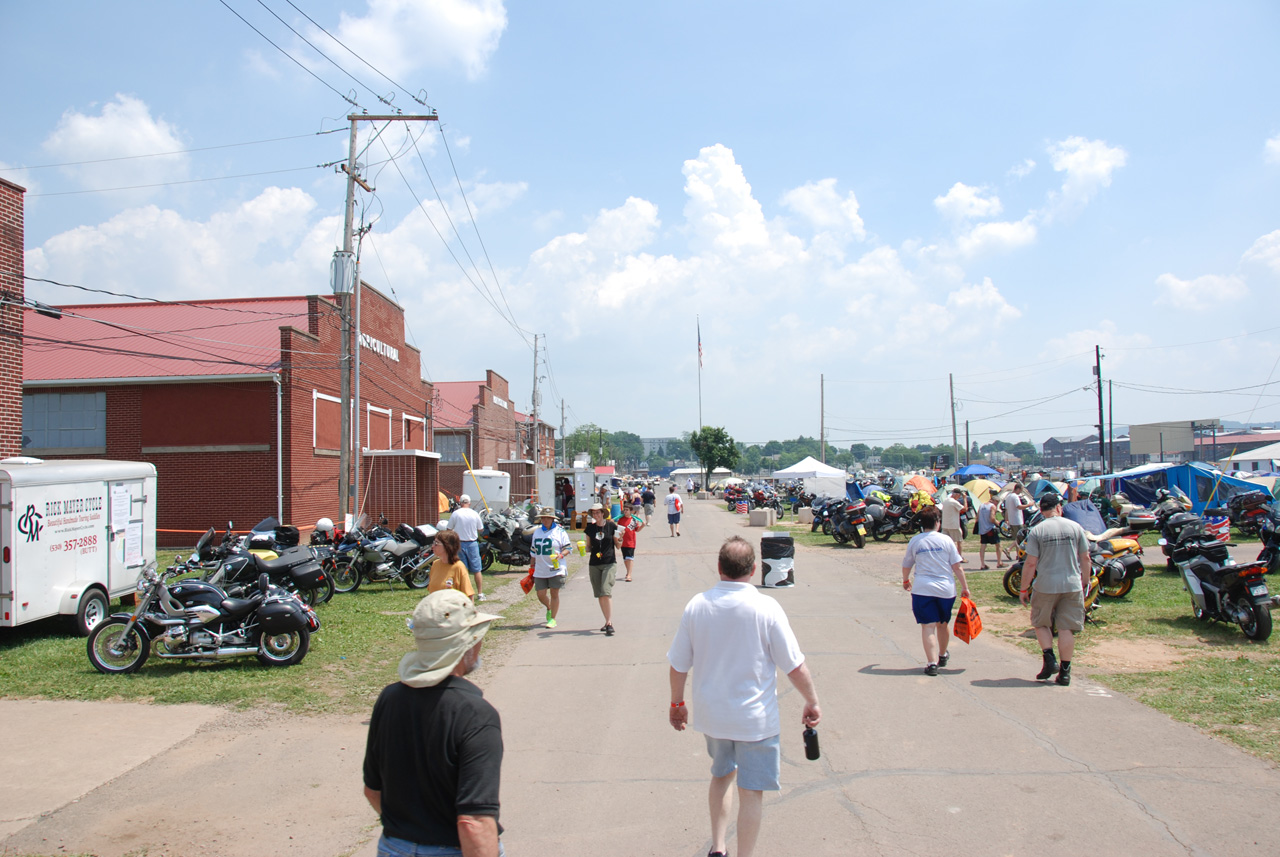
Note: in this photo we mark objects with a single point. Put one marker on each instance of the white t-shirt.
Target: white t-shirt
(734, 639)
(951, 509)
(932, 554)
(1013, 509)
(466, 522)
(545, 544)
(673, 505)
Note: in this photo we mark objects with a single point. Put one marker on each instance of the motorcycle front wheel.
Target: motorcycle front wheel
(112, 651)
(1259, 626)
(486, 558)
(882, 534)
(283, 650)
(345, 574)
(826, 526)
(324, 591)
(1013, 580)
(419, 576)
(1120, 590)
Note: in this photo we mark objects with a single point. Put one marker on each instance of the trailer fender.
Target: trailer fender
(69, 602)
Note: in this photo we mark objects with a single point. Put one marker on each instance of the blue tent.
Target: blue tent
(971, 471)
(1036, 487)
(1204, 485)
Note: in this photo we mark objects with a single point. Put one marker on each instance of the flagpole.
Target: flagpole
(699, 322)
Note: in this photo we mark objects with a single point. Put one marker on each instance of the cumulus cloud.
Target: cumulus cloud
(1000, 235)
(822, 205)
(1266, 251)
(963, 202)
(1088, 165)
(410, 35)
(1202, 293)
(123, 128)
(1271, 150)
(1022, 170)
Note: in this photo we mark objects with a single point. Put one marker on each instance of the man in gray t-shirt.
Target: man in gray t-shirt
(1059, 570)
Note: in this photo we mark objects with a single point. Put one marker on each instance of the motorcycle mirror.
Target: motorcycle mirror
(1162, 542)
(263, 584)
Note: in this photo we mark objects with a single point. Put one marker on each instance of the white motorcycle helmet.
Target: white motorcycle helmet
(324, 525)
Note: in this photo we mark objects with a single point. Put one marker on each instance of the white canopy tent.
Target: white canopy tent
(807, 468)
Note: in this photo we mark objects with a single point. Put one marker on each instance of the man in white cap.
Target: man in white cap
(434, 754)
(952, 508)
(467, 523)
(549, 547)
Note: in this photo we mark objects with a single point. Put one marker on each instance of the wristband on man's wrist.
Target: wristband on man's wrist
(679, 704)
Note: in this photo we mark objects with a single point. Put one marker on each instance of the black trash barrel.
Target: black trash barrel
(777, 559)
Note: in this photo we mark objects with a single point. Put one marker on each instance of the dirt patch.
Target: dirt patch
(1141, 654)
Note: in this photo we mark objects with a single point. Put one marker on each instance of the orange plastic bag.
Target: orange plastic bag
(526, 582)
(968, 622)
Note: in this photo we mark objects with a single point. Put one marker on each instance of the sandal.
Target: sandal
(984, 568)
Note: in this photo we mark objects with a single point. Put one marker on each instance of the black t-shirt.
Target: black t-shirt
(435, 753)
(600, 542)
(648, 497)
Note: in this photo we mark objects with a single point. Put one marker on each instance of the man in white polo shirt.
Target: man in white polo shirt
(734, 639)
(467, 523)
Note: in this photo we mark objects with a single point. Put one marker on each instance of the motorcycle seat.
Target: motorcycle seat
(237, 607)
(399, 549)
(1249, 566)
(284, 562)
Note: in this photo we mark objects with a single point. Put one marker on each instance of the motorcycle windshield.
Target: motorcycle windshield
(266, 525)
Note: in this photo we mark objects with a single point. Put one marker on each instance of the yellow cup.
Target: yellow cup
(582, 548)
(555, 561)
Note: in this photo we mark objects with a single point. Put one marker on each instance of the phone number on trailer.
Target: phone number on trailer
(85, 544)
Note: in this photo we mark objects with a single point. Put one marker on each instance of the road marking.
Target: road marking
(1098, 692)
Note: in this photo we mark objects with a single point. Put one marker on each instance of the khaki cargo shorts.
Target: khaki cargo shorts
(1064, 609)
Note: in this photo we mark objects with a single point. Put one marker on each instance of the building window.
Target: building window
(64, 421)
(452, 447)
(377, 427)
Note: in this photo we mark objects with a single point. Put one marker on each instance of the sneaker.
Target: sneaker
(480, 597)
(548, 615)
(943, 659)
(1064, 674)
(551, 623)
(604, 629)
(608, 630)
(932, 669)
(717, 854)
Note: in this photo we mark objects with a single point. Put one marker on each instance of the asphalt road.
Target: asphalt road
(980, 760)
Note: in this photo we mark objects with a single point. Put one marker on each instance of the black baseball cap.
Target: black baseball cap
(1048, 501)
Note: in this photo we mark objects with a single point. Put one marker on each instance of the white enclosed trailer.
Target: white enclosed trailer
(73, 534)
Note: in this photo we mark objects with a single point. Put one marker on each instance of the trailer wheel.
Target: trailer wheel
(93, 609)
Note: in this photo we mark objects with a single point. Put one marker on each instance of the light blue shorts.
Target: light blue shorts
(469, 553)
(758, 763)
(389, 846)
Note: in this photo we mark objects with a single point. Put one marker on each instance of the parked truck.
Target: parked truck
(73, 536)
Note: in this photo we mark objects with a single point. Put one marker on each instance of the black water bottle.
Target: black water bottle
(811, 751)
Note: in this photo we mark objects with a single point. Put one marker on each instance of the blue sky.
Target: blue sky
(880, 194)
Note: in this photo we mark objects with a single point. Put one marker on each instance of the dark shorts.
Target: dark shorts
(673, 517)
(930, 608)
(628, 553)
(990, 538)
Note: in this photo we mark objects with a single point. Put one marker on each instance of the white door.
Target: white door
(127, 529)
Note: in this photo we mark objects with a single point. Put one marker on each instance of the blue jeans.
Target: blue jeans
(389, 846)
(469, 553)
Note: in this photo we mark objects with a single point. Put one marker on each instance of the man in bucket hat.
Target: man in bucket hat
(434, 753)
(550, 546)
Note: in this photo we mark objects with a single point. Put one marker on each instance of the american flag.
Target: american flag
(699, 344)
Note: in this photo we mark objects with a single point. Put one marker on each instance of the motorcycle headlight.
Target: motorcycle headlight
(142, 584)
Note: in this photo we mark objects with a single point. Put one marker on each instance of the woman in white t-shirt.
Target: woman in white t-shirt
(936, 562)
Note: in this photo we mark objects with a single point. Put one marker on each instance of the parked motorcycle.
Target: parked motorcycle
(196, 620)
(507, 537)
(823, 509)
(1221, 589)
(849, 523)
(1248, 511)
(897, 519)
(234, 563)
(1269, 533)
(379, 555)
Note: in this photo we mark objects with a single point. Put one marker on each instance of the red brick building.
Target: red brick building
(476, 422)
(12, 292)
(236, 403)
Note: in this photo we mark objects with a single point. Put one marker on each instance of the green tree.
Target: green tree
(997, 446)
(1026, 452)
(627, 448)
(900, 456)
(860, 451)
(714, 448)
(772, 448)
(751, 458)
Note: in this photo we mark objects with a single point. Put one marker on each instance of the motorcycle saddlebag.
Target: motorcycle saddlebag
(281, 617)
(1133, 566)
(308, 575)
(1248, 500)
(287, 536)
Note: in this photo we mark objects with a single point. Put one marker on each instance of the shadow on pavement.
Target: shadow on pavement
(1008, 682)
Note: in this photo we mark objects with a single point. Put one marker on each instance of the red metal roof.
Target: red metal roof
(157, 340)
(454, 401)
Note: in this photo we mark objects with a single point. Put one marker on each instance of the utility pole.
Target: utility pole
(955, 442)
(822, 417)
(966, 443)
(344, 300)
(534, 427)
(1111, 429)
(564, 441)
(1102, 437)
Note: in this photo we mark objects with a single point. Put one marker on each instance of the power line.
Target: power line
(323, 54)
(184, 181)
(174, 152)
(295, 61)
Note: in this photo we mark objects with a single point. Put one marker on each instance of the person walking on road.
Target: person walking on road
(447, 572)
(952, 507)
(734, 640)
(988, 533)
(433, 758)
(674, 507)
(933, 592)
(549, 548)
(1059, 570)
(648, 498)
(602, 539)
(628, 526)
(467, 523)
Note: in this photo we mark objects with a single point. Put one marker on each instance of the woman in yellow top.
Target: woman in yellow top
(447, 572)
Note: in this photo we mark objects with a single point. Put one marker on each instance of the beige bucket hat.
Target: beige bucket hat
(445, 625)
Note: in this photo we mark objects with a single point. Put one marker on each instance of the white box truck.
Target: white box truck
(73, 534)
